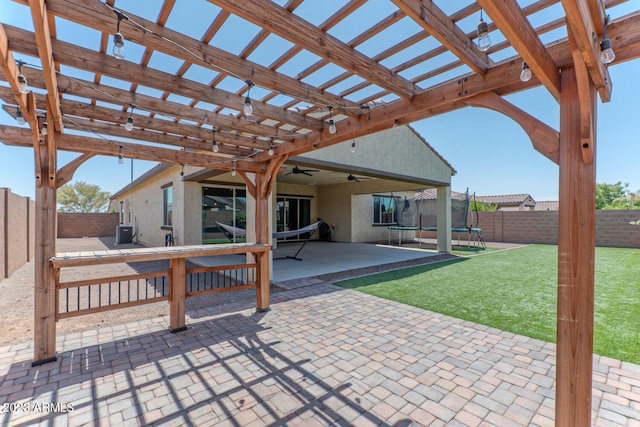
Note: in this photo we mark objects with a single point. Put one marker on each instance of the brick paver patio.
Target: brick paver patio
(322, 356)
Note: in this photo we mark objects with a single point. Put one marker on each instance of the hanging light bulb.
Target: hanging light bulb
(22, 80)
(332, 124)
(484, 41)
(44, 130)
(233, 171)
(525, 74)
(248, 108)
(118, 39)
(120, 158)
(395, 123)
(607, 55)
(353, 146)
(214, 143)
(270, 150)
(129, 125)
(19, 117)
(182, 171)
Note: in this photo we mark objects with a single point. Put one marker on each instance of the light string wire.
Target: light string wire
(216, 66)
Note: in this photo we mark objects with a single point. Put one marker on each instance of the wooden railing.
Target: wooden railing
(77, 298)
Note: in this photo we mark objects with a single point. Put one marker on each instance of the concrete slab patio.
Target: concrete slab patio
(322, 356)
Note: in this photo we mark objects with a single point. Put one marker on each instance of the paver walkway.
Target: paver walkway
(322, 356)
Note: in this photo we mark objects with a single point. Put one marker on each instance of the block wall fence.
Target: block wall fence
(87, 224)
(17, 231)
(612, 227)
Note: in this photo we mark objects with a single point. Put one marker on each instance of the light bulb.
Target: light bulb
(332, 126)
(129, 125)
(248, 108)
(395, 123)
(233, 171)
(19, 117)
(216, 148)
(120, 159)
(270, 150)
(118, 46)
(525, 74)
(45, 129)
(484, 41)
(607, 55)
(22, 84)
(353, 147)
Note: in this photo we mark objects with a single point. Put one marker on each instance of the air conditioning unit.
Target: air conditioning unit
(124, 234)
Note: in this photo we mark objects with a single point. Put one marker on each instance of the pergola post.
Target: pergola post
(263, 233)
(576, 253)
(44, 319)
(443, 206)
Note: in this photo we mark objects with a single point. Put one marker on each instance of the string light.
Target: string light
(19, 117)
(332, 124)
(607, 55)
(120, 158)
(129, 125)
(233, 170)
(214, 143)
(182, 171)
(484, 41)
(525, 74)
(248, 108)
(353, 146)
(22, 80)
(44, 130)
(118, 40)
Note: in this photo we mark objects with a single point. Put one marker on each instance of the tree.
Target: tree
(82, 197)
(607, 193)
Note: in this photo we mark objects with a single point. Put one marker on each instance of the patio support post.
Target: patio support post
(576, 251)
(45, 309)
(443, 201)
(262, 236)
(177, 294)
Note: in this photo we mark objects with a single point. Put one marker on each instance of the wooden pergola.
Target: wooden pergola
(179, 120)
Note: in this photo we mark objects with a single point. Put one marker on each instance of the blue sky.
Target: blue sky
(491, 154)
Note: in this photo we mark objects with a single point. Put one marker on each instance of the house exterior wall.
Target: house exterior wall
(379, 152)
(146, 201)
(349, 207)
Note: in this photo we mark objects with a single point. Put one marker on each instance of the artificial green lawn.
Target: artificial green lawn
(515, 290)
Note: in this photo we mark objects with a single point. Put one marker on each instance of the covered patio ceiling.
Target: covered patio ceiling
(315, 74)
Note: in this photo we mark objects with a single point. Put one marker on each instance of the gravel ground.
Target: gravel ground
(16, 305)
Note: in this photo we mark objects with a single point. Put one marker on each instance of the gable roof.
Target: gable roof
(508, 200)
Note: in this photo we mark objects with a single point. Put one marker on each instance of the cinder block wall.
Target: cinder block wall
(87, 224)
(612, 227)
(17, 231)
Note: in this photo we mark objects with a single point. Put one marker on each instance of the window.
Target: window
(293, 213)
(167, 204)
(384, 210)
(226, 205)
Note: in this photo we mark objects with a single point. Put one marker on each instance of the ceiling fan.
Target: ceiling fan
(296, 171)
(351, 177)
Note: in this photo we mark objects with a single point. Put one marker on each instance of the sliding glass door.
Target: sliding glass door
(226, 206)
(293, 213)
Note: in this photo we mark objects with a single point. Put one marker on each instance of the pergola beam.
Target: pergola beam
(96, 15)
(85, 59)
(439, 25)
(45, 52)
(514, 25)
(285, 24)
(584, 26)
(10, 71)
